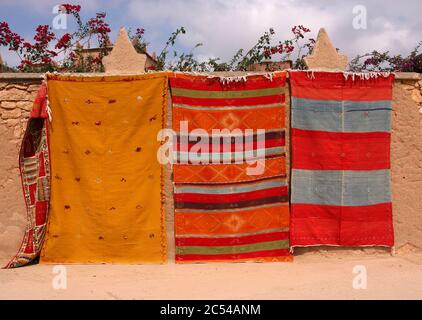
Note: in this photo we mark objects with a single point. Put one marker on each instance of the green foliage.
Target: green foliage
(383, 61)
(260, 52)
(162, 57)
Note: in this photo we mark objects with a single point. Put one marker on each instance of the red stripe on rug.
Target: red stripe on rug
(344, 226)
(236, 256)
(349, 94)
(226, 198)
(367, 225)
(254, 101)
(281, 142)
(231, 241)
(334, 86)
(30, 245)
(318, 150)
(213, 85)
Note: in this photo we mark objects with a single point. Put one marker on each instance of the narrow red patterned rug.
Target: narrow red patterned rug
(341, 130)
(34, 164)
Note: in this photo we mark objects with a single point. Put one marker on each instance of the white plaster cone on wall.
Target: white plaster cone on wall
(124, 59)
(325, 56)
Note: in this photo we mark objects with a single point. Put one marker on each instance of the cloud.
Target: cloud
(225, 26)
(46, 6)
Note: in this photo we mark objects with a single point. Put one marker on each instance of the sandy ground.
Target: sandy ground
(316, 275)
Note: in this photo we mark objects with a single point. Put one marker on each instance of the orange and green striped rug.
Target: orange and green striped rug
(222, 211)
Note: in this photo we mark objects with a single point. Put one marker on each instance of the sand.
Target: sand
(316, 274)
(313, 275)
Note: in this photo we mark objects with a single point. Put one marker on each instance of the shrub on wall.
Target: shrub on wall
(67, 53)
(383, 61)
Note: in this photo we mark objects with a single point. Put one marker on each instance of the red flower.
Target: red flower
(46, 59)
(289, 48)
(140, 32)
(52, 53)
(98, 25)
(24, 63)
(96, 60)
(43, 35)
(304, 29)
(72, 56)
(64, 41)
(70, 9)
(299, 30)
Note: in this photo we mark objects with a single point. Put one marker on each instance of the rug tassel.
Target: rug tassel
(227, 80)
(365, 75)
(310, 74)
(50, 115)
(269, 76)
(48, 109)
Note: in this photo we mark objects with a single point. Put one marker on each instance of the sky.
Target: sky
(224, 26)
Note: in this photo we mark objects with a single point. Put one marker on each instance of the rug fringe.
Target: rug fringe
(365, 75)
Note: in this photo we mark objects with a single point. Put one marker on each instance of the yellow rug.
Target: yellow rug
(106, 183)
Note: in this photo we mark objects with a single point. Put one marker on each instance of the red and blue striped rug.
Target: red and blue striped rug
(341, 131)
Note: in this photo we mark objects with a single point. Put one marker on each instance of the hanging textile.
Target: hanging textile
(106, 183)
(223, 211)
(341, 130)
(34, 166)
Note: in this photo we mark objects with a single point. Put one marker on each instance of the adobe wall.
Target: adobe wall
(16, 96)
(406, 156)
(19, 90)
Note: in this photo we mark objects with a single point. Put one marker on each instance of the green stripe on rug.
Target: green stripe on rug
(246, 248)
(228, 94)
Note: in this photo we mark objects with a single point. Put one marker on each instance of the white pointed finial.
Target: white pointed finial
(325, 56)
(124, 59)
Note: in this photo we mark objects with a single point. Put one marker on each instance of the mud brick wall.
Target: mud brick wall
(406, 156)
(16, 97)
(17, 92)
